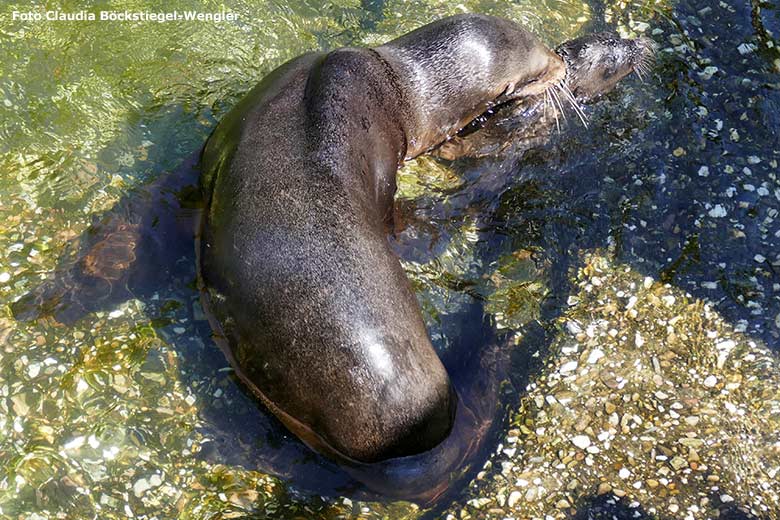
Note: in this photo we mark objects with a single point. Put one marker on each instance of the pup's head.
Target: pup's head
(596, 62)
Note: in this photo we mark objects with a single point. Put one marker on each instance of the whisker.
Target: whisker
(644, 68)
(558, 101)
(573, 101)
(549, 97)
(558, 107)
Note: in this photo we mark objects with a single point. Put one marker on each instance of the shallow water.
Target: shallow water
(636, 262)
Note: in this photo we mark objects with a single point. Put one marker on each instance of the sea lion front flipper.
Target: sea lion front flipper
(513, 125)
(125, 253)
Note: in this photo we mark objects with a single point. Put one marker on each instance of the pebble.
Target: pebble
(581, 441)
(746, 48)
(708, 72)
(595, 356)
(678, 463)
(4, 277)
(718, 211)
(141, 486)
(726, 344)
(75, 443)
(691, 443)
(710, 381)
(33, 370)
(566, 368)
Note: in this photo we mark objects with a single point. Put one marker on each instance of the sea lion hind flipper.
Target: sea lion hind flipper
(92, 271)
(127, 252)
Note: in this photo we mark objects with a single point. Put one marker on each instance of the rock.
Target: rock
(595, 356)
(140, 487)
(581, 441)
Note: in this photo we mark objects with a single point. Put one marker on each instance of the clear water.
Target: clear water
(669, 199)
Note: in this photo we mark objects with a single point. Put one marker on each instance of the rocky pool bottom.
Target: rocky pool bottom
(648, 402)
(648, 397)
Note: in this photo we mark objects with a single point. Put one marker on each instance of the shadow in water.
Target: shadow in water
(611, 507)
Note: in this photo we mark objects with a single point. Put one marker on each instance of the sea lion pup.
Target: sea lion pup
(318, 316)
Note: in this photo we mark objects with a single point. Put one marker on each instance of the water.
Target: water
(636, 263)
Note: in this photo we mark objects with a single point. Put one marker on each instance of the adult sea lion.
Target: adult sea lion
(317, 312)
(308, 300)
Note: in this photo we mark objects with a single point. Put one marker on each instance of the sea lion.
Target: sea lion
(294, 256)
(306, 297)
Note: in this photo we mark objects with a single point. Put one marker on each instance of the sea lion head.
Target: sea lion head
(596, 62)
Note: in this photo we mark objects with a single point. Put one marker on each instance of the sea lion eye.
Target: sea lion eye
(610, 67)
